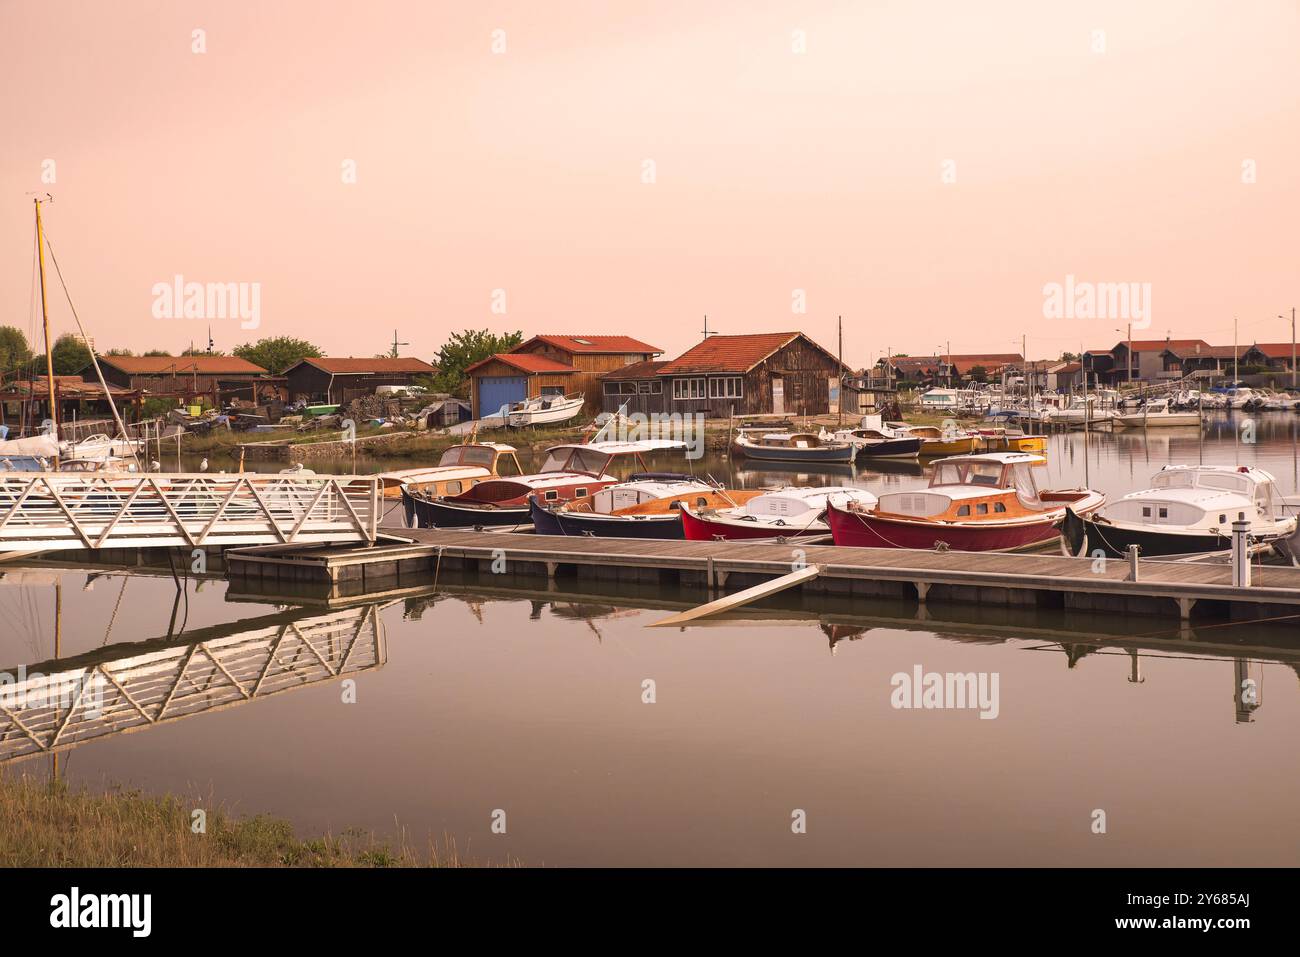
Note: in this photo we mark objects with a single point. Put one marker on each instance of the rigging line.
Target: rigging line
(94, 360)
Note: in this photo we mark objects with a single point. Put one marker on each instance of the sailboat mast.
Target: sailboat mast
(45, 322)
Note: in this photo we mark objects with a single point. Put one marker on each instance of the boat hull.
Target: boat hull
(651, 527)
(698, 528)
(844, 455)
(432, 513)
(868, 530)
(1084, 536)
(890, 449)
(1160, 420)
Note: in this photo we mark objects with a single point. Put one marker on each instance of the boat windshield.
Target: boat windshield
(576, 460)
(467, 455)
(968, 473)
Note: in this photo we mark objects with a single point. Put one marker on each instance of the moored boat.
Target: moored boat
(644, 507)
(936, 441)
(1156, 414)
(545, 410)
(1188, 509)
(780, 513)
(874, 444)
(793, 447)
(460, 467)
(569, 472)
(985, 502)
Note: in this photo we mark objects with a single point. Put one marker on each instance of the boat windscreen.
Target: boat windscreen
(570, 459)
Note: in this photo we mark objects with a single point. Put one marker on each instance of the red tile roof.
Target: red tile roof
(1275, 350)
(166, 365)
(637, 370)
(729, 353)
(350, 366)
(592, 344)
(1159, 345)
(525, 362)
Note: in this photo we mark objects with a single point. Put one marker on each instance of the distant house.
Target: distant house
(782, 373)
(1186, 360)
(557, 365)
(957, 368)
(340, 380)
(179, 376)
(1115, 366)
(1275, 355)
(1063, 376)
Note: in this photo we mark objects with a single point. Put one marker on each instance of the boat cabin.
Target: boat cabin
(973, 488)
(788, 440)
(1209, 497)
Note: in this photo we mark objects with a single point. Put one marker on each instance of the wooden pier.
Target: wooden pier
(411, 557)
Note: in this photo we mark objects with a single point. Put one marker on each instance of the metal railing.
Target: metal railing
(43, 511)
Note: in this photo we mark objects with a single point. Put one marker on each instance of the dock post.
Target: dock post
(1133, 563)
(922, 589)
(708, 574)
(1240, 554)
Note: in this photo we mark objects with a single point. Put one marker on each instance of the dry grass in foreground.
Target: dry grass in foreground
(44, 825)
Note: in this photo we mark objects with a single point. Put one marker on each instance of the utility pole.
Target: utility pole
(45, 322)
(393, 353)
(839, 406)
(1292, 345)
(1234, 352)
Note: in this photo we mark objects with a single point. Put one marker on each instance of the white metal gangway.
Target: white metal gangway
(44, 511)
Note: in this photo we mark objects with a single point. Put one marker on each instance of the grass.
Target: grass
(51, 825)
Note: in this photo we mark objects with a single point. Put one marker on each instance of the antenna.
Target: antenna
(393, 354)
(706, 327)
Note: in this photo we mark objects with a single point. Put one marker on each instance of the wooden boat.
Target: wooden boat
(459, 468)
(874, 444)
(545, 410)
(569, 472)
(802, 447)
(1188, 509)
(781, 513)
(644, 507)
(936, 441)
(986, 502)
(1156, 414)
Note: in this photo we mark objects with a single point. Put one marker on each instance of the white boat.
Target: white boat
(544, 410)
(782, 513)
(1156, 414)
(1082, 412)
(1188, 509)
(1241, 397)
(100, 446)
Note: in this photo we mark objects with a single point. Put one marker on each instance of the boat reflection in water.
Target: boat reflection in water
(51, 706)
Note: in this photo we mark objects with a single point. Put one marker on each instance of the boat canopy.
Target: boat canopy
(627, 494)
(800, 501)
(594, 458)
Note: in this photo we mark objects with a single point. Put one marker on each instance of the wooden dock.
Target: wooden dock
(411, 557)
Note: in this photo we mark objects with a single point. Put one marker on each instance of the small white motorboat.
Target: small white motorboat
(783, 513)
(1156, 414)
(545, 410)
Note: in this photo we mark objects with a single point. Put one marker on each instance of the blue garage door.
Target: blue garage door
(495, 391)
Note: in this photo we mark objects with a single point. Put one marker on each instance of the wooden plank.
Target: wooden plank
(740, 598)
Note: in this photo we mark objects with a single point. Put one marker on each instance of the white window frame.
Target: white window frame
(688, 389)
(727, 387)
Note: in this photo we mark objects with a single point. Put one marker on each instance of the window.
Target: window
(730, 387)
(553, 391)
(551, 495)
(656, 387)
(629, 388)
(999, 507)
(982, 508)
(612, 388)
(580, 493)
(1146, 511)
(688, 388)
(644, 387)
(1223, 518)
(963, 511)
(452, 488)
(1164, 512)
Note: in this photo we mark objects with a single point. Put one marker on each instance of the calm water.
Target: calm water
(471, 700)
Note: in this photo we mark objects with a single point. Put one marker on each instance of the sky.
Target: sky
(926, 170)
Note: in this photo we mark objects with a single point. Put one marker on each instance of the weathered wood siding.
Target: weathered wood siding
(805, 371)
(589, 366)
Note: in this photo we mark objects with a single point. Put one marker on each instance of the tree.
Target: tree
(157, 352)
(14, 350)
(69, 355)
(125, 353)
(196, 351)
(464, 349)
(978, 374)
(278, 353)
(1069, 357)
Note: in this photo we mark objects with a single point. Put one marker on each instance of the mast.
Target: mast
(45, 322)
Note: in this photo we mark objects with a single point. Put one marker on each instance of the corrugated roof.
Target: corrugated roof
(592, 344)
(166, 365)
(637, 370)
(525, 362)
(729, 353)
(354, 366)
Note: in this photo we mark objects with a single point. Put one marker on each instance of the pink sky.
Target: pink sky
(776, 171)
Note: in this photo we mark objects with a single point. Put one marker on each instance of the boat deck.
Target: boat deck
(415, 556)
